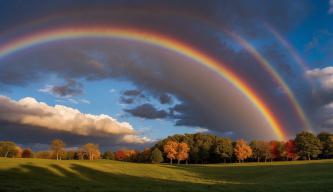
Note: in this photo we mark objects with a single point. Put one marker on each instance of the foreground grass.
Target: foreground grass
(51, 175)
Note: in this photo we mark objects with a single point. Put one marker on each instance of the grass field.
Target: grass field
(51, 175)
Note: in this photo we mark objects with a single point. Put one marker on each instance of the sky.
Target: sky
(125, 74)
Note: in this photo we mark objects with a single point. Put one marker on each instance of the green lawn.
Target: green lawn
(51, 175)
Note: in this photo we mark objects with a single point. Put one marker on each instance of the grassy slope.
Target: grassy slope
(50, 175)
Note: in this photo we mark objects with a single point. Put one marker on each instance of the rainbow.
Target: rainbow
(154, 39)
(264, 62)
(292, 51)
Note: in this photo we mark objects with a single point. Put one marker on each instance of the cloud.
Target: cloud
(330, 10)
(324, 76)
(147, 111)
(126, 100)
(29, 112)
(132, 92)
(70, 89)
(165, 99)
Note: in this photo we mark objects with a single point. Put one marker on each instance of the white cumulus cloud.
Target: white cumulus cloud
(28, 111)
(324, 76)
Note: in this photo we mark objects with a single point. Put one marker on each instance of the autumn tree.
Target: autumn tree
(8, 149)
(242, 150)
(70, 155)
(58, 148)
(307, 145)
(108, 155)
(224, 148)
(27, 153)
(80, 154)
(156, 156)
(92, 151)
(276, 149)
(182, 152)
(120, 155)
(170, 148)
(290, 150)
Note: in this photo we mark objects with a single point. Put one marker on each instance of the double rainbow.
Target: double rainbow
(154, 39)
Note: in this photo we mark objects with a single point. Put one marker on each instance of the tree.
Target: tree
(224, 148)
(144, 156)
(170, 148)
(27, 153)
(70, 155)
(242, 150)
(326, 141)
(8, 149)
(277, 149)
(120, 155)
(80, 154)
(290, 150)
(92, 150)
(260, 150)
(108, 155)
(57, 146)
(156, 156)
(182, 151)
(307, 145)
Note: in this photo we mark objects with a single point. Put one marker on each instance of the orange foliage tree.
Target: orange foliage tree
(242, 150)
(182, 152)
(170, 148)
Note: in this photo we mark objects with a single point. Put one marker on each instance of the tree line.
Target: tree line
(191, 148)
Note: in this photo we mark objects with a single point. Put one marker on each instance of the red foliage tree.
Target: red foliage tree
(290, 149)
(120, 155)
(27, 153)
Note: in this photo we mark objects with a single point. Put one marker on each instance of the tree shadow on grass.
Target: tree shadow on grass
(284, 177)
(76, 177)
(29, 177)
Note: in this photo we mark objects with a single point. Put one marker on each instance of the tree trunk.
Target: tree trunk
(178, 161)
(171, 161)
(224, 160)
(6, 154)
(57, 156)
(309, 157)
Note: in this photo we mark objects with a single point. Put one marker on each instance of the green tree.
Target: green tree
(307, 145)
(326, 141)
(108, 155)
(260, 150)
(224, 149)
(58, 148)
(156, 156)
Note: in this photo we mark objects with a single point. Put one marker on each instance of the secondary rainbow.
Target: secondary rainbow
(154, 39)
(274, 74)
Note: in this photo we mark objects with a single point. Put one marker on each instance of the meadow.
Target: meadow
(106, 175)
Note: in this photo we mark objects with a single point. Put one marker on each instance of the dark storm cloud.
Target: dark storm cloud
(147, 111)
(71, 88)
(133, 92)
(202, 103)
(126, 100)
(165, 99)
